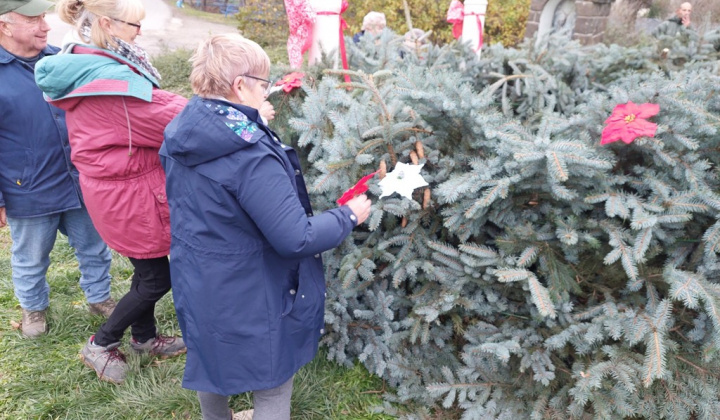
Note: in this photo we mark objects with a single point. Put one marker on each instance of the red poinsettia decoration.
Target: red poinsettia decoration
(629, 121)
(291, 81)
(356, 190)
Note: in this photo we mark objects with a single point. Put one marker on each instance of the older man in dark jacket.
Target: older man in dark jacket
(39, 190)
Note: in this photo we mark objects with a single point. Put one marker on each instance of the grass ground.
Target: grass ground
(44, 378)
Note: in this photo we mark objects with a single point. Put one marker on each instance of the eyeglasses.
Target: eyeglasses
(269, 83)
(134, 25)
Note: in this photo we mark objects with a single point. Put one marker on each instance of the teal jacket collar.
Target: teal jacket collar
(84, 70)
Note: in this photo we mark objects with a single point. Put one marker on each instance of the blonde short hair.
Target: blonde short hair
(80, 13)
(374, 21)
(219, 60)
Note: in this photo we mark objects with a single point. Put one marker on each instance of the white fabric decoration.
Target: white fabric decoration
(404, 179)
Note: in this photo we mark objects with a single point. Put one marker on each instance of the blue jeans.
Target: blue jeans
(32, 240)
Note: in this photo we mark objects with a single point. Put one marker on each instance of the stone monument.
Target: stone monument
(584, 20)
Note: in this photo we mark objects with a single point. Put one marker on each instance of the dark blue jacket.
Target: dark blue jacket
(245, 263)
(36, 175)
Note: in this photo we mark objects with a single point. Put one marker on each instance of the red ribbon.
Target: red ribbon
(480, 28)
(343, 25)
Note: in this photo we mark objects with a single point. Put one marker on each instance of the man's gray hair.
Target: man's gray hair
(6, 17)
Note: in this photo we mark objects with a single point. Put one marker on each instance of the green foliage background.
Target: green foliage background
(505, 21)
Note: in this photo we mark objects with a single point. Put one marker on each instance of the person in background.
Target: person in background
(415, 42)
(679, 22)
(116, 115)
(39, 189)
(373, 23)
(248, 281)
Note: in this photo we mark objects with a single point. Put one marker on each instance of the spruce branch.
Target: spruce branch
(386, 117)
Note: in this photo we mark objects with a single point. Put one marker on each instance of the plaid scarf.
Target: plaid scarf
(132, 52)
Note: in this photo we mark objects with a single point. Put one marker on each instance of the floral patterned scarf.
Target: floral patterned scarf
(132, 52)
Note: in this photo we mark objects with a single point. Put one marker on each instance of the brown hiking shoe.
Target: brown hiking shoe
(161, 345)
(104, 308)
(108, 362)
(33, 323)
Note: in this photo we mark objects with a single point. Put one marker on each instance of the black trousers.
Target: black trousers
(150, 282)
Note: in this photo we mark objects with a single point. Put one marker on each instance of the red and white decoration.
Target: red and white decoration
(317, 26)
(468, 21)
(301, 18)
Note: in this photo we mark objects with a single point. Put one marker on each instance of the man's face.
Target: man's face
(25, 36)
(375, 28)
(685, 11)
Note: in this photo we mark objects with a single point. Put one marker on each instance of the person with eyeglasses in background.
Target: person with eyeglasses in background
(116, 114)
(248, 278)
(39, 190)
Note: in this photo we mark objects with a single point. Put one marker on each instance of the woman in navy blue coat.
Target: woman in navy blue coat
(245, 261)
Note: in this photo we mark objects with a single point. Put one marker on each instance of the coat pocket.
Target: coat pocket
(290, 291)
(161, 205)
(21, 174)
(307, 300)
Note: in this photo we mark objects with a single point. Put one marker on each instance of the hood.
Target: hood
(208, 129)
(92, 72)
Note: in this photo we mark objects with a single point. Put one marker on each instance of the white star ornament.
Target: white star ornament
(404, 179)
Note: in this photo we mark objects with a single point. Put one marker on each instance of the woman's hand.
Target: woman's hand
(267, 111)
(360, 206)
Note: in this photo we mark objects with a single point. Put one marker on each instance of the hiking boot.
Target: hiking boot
(161, 345)
(33, 323)
(104, 308)
(243, 415)
(108, 362)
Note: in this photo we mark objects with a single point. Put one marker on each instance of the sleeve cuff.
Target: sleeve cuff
(349, 214)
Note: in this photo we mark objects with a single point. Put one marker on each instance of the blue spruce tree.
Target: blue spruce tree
(541, 274)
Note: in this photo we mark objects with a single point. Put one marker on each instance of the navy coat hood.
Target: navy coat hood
(199, 145)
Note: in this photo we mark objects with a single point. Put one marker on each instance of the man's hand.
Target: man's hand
(267, 111)
(686, 21)
(3, 217)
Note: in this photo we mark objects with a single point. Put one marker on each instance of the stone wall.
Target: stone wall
(590, 22)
